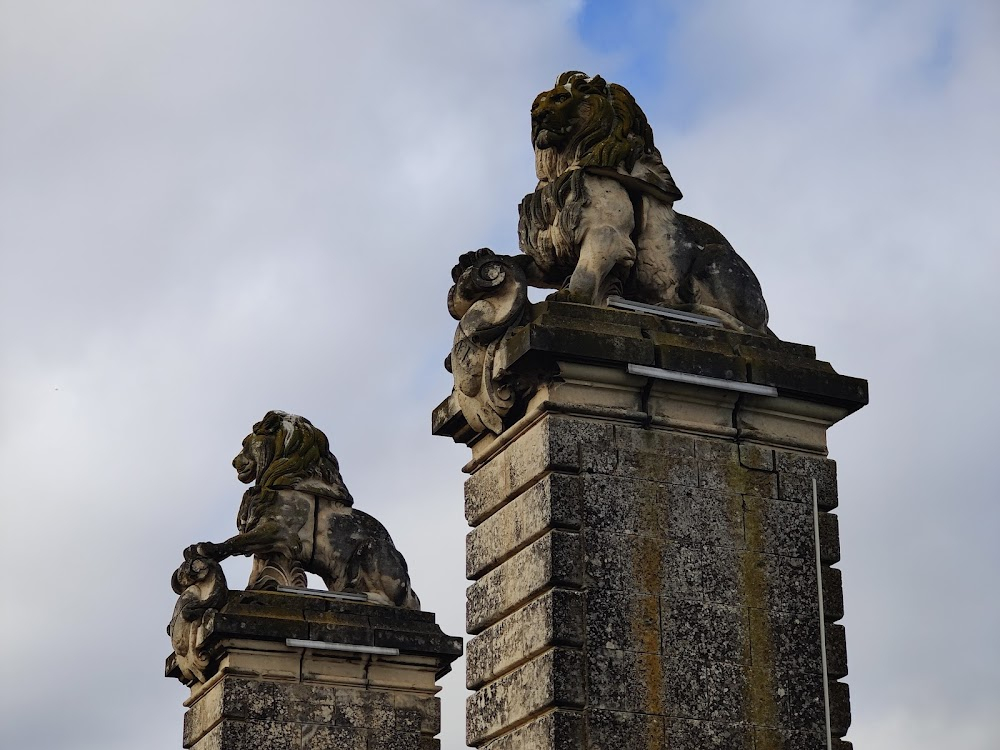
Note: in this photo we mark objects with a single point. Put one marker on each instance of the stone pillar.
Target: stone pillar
(290, 670)
(642, 549)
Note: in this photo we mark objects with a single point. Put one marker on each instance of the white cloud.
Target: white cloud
(209, 210)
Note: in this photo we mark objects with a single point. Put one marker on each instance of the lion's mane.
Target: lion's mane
(295, 455)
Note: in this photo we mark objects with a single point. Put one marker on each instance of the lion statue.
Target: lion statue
(601, 221)
(297, 518)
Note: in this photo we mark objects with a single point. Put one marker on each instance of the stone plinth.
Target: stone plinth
(642, 553)
(304, 671)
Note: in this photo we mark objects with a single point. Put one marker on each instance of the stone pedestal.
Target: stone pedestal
(304, 671)
(642, 554)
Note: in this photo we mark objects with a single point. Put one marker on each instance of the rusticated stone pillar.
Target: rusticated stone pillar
(643, 550)
(293, 670)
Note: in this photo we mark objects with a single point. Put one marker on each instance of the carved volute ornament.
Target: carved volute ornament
(489, 298)
(296, 518)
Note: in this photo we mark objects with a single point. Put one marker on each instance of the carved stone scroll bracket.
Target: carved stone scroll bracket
(489, 299)
(201, 586)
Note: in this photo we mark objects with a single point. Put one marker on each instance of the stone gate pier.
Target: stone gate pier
(653, 541)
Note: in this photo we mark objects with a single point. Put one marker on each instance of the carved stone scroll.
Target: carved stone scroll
(489, 299)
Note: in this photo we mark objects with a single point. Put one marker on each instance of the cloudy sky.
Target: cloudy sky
(211, 209)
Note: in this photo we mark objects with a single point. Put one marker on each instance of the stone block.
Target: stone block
(620, 729)
(554, 730)
(780, 584)
(720, 469)
(785, 641)
(829, 538)
(726, 690)
(332, 738)
(833, 594)
(552, 502)
(556, 678)
(705, 631)
(553, 560)
(624, 562)
(840, 708)
(365, 709)
(417, 713)
(801, 704)
(699, 517)
(556, 618)
(623, 620)
(836, 650)
(759, 457)
(682, 734)
(235, 734)
(710, 574)
(795, 474)
(656, 455)
(396, 741)
(620, 505)
(487, 489)
(779, 528)
(773, 738)
(628, 681)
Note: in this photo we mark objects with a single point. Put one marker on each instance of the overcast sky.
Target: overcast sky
(212, 209)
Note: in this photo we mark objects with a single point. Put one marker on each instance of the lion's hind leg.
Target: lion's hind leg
(723, 286)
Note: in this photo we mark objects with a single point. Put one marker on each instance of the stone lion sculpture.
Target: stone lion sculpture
(601, 221)
(297, 518)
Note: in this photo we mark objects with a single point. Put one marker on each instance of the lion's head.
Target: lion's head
(587, 122)
(286, 451)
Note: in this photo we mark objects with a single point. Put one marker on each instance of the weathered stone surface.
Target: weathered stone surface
(833, 594)
(702, 517)
(629, 681)
(681, 734)
(785, 641)
(795, 474)
(621, 506)
(553, 560)
(656, 456)
(781, 584)
(829, 538)
(624, 562)
(836, 650)
(553, 679)
(779, 528)
(554, 619)
(274, 695)
(622, 620)
(701, 630)
(234, 734)
(553, 443)
(552, 502)
(719, 468)
(759, 457)
(553, 730)
(695, 526)
(772, 738)
(620, 729)
(840, 708)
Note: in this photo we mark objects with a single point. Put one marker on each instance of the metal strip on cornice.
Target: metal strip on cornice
(338, 595)
(342, 647)
(663, 312)
(686, 377)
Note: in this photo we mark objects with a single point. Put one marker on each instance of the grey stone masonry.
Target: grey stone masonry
(264, 694)
(642, 553)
